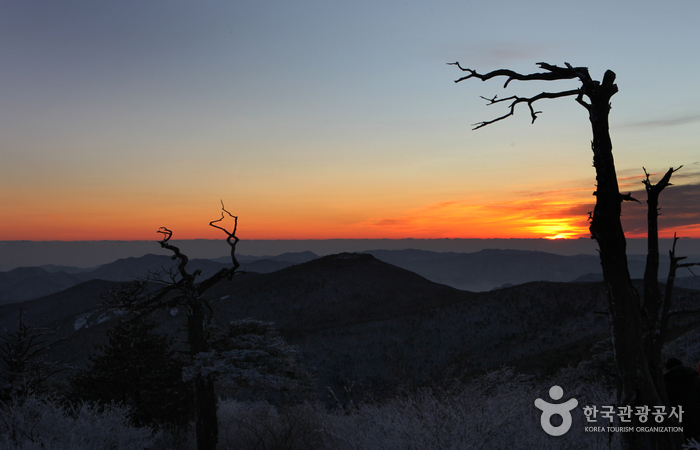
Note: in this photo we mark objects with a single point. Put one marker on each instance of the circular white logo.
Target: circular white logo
(561, 409)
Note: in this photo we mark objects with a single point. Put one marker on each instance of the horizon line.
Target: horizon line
(336, 239)
(339, 239)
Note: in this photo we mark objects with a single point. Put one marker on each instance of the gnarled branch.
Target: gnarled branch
(553, 73)
(528, 100)
(167, 234)
(231, 239)
(628, 198)
(661, 185)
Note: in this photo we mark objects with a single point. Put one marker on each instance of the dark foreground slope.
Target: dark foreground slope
(364, 323)
(359, 320)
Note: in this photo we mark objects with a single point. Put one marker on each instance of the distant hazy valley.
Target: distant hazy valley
(478, 271)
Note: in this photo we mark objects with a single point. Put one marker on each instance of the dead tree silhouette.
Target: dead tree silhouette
(182, 290)
(637, 351)
(656, 307)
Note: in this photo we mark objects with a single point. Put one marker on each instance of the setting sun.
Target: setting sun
(563, 228)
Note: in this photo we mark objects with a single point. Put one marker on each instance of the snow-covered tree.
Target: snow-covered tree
(249, 354)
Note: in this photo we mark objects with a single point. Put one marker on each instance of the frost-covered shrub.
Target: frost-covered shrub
(248, 354)
(494, 411)
(35, 423)
(246, 425)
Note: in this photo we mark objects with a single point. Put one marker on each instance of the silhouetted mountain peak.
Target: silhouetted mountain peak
(340, 288)
(350, 257)
(296, 257)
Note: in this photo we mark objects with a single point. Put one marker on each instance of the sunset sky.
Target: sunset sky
(326, 119)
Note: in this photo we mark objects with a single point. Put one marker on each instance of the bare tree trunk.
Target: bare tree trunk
(652, 294)
(655, 307)
(637, 385)
(206, 422)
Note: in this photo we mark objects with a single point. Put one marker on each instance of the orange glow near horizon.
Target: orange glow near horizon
(531, 218)
(560, 214)
(445, 220)
(687, 231)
